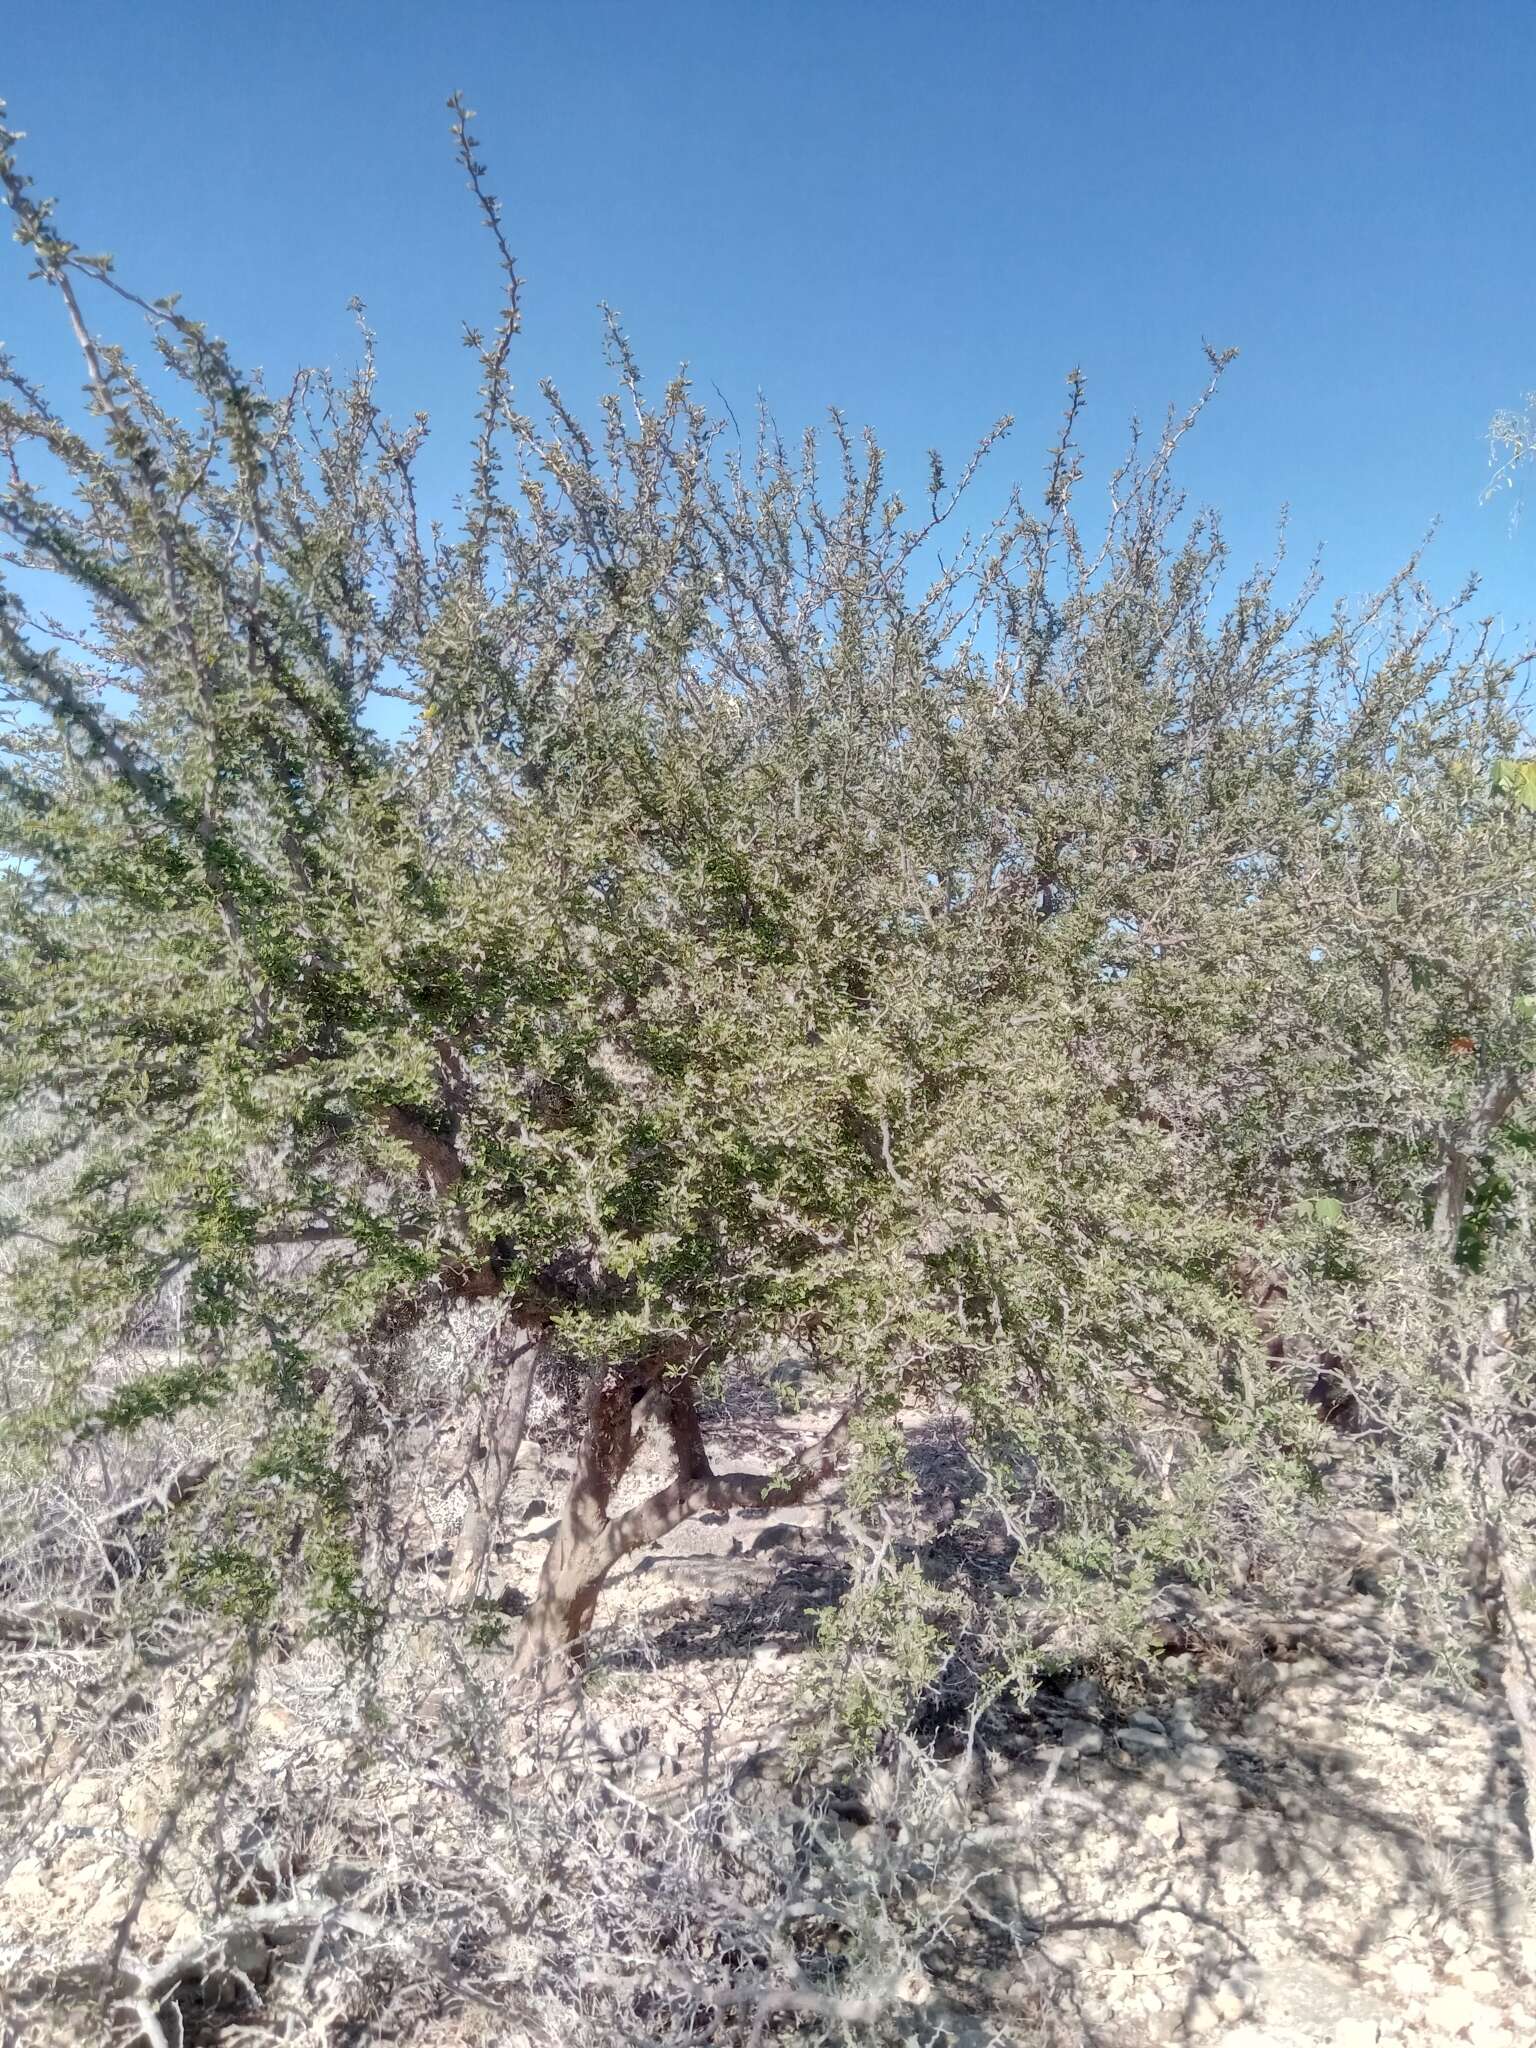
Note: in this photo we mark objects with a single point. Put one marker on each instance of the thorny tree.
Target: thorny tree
(717, 910)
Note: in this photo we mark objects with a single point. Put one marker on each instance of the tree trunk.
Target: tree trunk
(498, 1439)
(590, 1541)
(576, 1562)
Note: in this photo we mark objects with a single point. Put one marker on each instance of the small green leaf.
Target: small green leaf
(1516, 779)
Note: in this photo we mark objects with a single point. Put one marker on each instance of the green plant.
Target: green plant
(709, 906)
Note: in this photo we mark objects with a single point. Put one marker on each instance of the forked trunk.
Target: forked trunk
(579, 1559)
(591, 1541)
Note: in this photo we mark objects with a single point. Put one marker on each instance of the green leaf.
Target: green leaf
(1516, 779)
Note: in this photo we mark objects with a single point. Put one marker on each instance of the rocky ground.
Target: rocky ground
(1300, 1832)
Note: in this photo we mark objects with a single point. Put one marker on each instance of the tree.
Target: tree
(771, 919)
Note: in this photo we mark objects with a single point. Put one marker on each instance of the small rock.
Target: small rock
(1138, 1738)
(1488, 2031)
(1453, 2010)
(914, 1987)
(1166, 1827)
(1239, 1857)
(1142, 1719)
(619, 1739)
(1482, 1983)
(704, 1536)
(1081, 1738)
(1223, 1793)
(1201, 1758)
(1412, 1979)
(1356, 2033)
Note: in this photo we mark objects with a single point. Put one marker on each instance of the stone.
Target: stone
(1488, 2031)
(619, 1739)
(1481, 1982)
(1203, 2018)
(1136, 1738)
(1166, 1827)
(1358, 2031)
(704, 1536)
(1203, 1759)
(1238, 1857)
(1454, 2009)
(1224, 1794)
(1081, 1738)
(1411, 1978)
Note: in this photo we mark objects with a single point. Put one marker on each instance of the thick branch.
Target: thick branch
(441, 1165)
(720, 1493)
(1461, 1149)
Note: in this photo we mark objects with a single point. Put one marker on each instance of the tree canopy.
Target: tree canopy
(718, 910)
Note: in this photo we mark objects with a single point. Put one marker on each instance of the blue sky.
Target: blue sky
(923, 213)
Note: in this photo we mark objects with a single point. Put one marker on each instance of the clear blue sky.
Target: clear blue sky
(925, 211)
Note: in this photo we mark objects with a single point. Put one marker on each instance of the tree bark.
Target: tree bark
(573, 1570)
(591, 1541)
(498, 1439)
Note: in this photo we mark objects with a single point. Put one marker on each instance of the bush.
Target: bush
(712, 910)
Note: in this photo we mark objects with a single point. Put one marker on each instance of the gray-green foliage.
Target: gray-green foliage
(783, 917)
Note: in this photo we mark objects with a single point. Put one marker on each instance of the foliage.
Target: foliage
(717, 908)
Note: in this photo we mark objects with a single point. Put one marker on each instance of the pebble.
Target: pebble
(1166, 1827)
(1411, 1979)
(1202, 1758)
(1136, 1737)
(1453, 2010)
(1483, 1983)
(1356, 2033)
